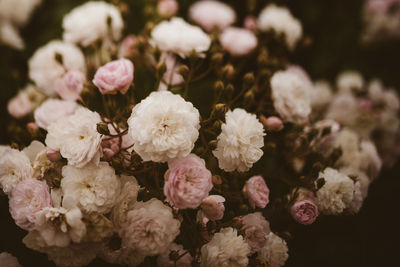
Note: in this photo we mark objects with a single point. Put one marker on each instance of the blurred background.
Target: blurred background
(333, 28)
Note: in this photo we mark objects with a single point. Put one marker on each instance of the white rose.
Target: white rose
(348, 81)
(53, 109)
(93, 188)
(280, 20)
(164, 126)
(91, 22)
(226, 249)
(150, 228)
(178, 36)
(51, 62)
(240, 142)
(336, 194)
(76, 137)
(275, 251)
(291, 95)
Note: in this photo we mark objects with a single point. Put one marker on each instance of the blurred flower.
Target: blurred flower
(275, 252)
(70, 86)
(167, 8)
(238, 41)
(256, 229)
(52, 110)
(257, 192)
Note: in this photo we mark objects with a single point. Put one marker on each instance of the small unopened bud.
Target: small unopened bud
(161, 68)
(217, 58)
(212, 144)
(218, 86)
(102, 128)
(53, 155)
(248, 79)
(249, 96)
(216, 179)
(32, 127)
(263, 57)
(229, 89)
(228, 71)
(217, 125)
(220, 110)
(183, 70)
(272, 123)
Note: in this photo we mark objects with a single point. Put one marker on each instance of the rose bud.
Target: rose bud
(53, 155)
(304, 210)
(115, 76)
(272, 123)
(250, 23)
(257, 192)
(167, 8)
(127, 48)
(213, 207)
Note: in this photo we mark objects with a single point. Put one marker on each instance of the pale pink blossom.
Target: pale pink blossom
(53, 155)
(187, 182)
(250, 23)
(211, 14)
(213, 207)
(171, 76)
(272, 123)
(257, 192)
(167, 8)
(32, 127)
(304, 211)
(256, 228)
(238, 41)
(52, 110)
(115, 76)
(8, 260)
(69, 86)
(19, 106)
(127, 48)
(29, 197)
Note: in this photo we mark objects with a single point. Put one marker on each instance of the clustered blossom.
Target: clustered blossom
(164, 133)
(187, 182)
(179, 37)
(210, 14)
(175, 171)
(240, 142)
(226, 248)
(6, 259)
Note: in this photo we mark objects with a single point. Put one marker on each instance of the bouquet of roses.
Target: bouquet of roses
(186, 145)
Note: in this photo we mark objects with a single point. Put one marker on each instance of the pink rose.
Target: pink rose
(256, 228)
(52, 110)
(115, 76)
(273, 123)
(257, 192)
(211, 14)
(238, 41)
(250, 23)
(304, 210)
(213, 207)
(167, 8)
(70, 86)
(127, 48)
(187, 182)
(171, 76)
(19, 106)
(28, 197)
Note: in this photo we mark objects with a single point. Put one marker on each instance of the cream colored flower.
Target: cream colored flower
(275, 252)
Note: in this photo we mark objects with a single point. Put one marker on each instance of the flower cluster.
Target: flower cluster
(176, 146)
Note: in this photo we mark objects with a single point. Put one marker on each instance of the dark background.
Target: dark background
(368, 239)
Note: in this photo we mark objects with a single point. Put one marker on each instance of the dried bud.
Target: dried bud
(217, 125)
(228, 71)
(217, 58)
(102, 128)
(229, 89)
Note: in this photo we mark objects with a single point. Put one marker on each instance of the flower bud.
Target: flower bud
(217, 58)
(248, 79)
(102, 128)
(53, 155)
(272, 123)
(218, 86)
(213, 207)
(228, 71)
(183, 70)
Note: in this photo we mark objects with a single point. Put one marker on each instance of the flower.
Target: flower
(177, 36)
(51, 62)
(238, 41)
(93, 188)
(225, 249)
(115, 76)
(257, 192)
(125, 201)
(24, 102)
(336, 194)
(350, 81)
(280, 20)
(76, 137)
(304, 210)
(357, 202)
(250, 23)
(164, 259)
(187, 182)
(91, 22)
(8, 260)
(59, 226)
(14, 168)
(15, 14)
(163, 126)
(29, 197)
(150, 227)
(171, 75)
(321, 95)
(213, 207)
(167, 8)
(275, 252)
(70, 86)
(52, 110)
(272, 123)
(128, 46)
(291, 95)
(256, 228)
(240, 142)
(211, 14)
